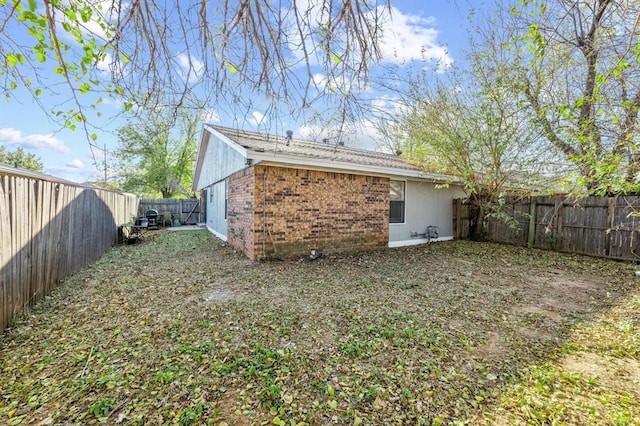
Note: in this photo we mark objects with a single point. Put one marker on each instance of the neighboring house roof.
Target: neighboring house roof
(277, 150)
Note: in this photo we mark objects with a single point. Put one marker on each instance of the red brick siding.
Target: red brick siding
(326, 211)
(240, 211)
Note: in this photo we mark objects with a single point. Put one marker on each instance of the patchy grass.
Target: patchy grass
(182, 330)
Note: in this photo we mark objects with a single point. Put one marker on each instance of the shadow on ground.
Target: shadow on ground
(181, 329)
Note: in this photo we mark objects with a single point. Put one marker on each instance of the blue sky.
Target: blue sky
(435, 28)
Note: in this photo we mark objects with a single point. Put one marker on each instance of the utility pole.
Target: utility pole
(105, 163)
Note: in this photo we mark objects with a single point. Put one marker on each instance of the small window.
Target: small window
(396, 200)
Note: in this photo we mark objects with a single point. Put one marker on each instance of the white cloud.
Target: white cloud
(37, 142)
(340, 84)
(258, 118)
(109, 63)
(320, 81)
(404, 36)
(390, 105)
(367, 136)
(190, 68)
(309, 132)
(74, 170)
(100, 26)
(112, 101)
(101, 21)
(311, 11)
(109, 11)
(75, 164)
(72, 173)
(104, 64)
(408, 37)
(211, 116)
(361, 134)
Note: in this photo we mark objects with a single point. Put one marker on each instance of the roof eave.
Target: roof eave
(326, 164)
(347, 167)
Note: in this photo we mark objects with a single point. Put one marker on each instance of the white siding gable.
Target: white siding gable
(222, 157)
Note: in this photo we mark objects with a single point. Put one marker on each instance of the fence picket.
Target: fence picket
(5, 251)
(594, 226)
(48, 230)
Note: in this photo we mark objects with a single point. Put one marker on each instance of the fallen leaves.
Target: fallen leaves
(182, 330)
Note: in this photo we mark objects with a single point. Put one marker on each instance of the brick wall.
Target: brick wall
(240, 211)
(325, 211)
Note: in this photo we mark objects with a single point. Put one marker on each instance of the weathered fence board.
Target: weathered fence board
(49, 230)
(518, 227)
(595, 226)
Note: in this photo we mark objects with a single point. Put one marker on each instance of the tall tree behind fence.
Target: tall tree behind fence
(49, 230)
(596, 226)
(188, 211)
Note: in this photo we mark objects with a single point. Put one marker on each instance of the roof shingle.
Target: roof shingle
(277, 145)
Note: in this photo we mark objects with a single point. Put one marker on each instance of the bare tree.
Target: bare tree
(580, 73)
(169, 54)
(471, 124)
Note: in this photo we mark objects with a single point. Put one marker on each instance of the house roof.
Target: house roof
(272, 149)
(262, 143)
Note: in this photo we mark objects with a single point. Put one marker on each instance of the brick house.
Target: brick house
(277, 197)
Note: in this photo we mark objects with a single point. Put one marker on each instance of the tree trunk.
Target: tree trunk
(476, 218)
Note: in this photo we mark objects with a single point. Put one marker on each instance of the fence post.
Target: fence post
(457, 215)
(533, 207)
(456, 233)
(610, 221)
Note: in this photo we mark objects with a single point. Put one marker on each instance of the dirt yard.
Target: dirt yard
(182, 330)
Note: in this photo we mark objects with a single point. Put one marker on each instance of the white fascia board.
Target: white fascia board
(334, 166)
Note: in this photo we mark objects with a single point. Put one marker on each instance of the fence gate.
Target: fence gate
(191, 211)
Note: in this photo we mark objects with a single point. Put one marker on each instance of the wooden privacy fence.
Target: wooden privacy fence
(49, 230)
(188, 211)
(596, 226)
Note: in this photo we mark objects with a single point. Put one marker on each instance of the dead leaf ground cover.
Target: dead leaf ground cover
(182, 330)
